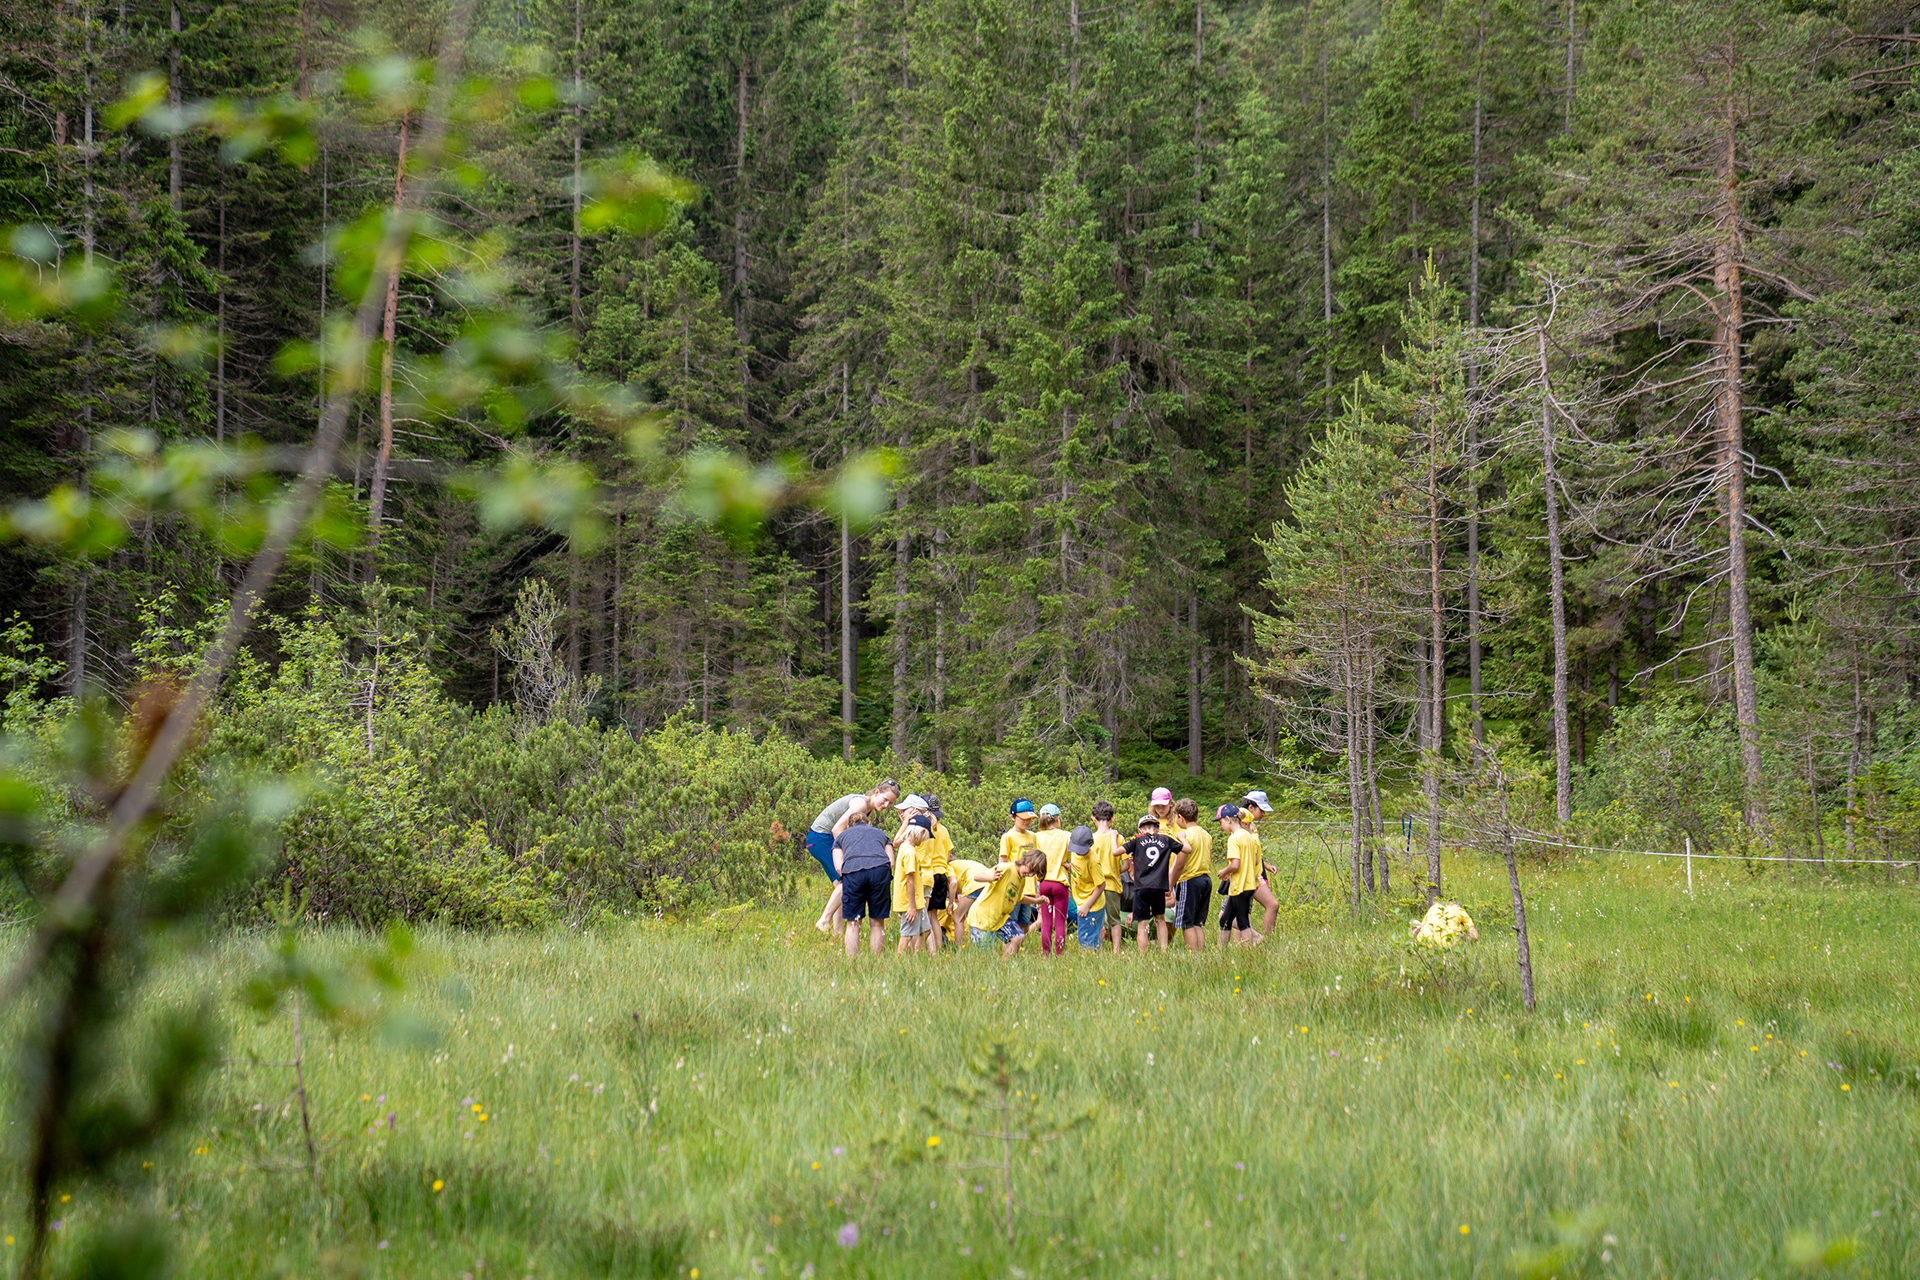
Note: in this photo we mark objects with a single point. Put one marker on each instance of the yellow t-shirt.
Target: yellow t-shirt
(1013, 843)
(968, 876)
(935, 853)
(1199, 853)
(1245, 846)
(1086, 879)
(906, 861)
(1106, 851)
(1445, 925)
(996, 902)
(1053, 843)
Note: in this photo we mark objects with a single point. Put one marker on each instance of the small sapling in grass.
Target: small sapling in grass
(999, 1108)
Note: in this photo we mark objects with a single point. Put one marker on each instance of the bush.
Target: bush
(1667, 770)
(416, 807)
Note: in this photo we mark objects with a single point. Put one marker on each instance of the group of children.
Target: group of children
(1093, 879)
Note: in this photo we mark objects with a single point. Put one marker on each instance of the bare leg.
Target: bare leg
(852, 939)
(876, 936)
(1264, 896)
(1160, 931)
(1196, 939)
(829, 921)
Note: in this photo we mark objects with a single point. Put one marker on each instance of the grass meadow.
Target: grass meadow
(1720, 1086)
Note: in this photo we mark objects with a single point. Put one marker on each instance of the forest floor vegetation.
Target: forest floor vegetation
(1721, 1085)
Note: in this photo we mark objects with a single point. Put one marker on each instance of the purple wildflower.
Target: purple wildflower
(849, 1235)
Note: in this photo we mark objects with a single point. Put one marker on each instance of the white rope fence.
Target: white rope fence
(1410, 824)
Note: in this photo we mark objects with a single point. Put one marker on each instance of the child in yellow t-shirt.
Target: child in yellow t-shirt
(1052, 843)
(1086, 884)
(1243, 874)
(991, 919)
(909, 885)
(937, 854)
(969, 877)
(1445, 925)
(1015, 841)
(1192, 875)
(1106, 852)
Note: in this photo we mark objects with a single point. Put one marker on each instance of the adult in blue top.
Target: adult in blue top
(830, 822)
(864, 857)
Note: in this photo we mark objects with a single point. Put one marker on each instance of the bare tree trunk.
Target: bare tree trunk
(377, 499)
(575, 247)
(173, 101)
(78, 624)
(939, 659)
(1356, 785)
(1733, 474)
(220, 339)
(1350, 654)
(1524, 945)
(1813, 801)
(1473, 428)
(1567, 120)
(1326, 218)
(1854, 754)
(1437, 680)
(740, 236)
(1199, 28)
(1195, 761)
(573, 610)
(1550, 479)
(846, 641)
(902, 547)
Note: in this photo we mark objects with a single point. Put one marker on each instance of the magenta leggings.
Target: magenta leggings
(1053, 917)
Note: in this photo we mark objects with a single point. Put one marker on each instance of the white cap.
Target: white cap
(913, 802)
(1258, 799)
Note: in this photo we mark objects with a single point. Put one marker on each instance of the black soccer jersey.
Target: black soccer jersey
(1152, 860)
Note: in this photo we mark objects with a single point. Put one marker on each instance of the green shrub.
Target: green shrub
(416, 807)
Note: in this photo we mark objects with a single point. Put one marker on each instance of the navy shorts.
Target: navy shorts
(867, 892)
(1192, 898)
(1148, 904)
(820, 845)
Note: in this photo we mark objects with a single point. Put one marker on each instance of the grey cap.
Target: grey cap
(1080, 840)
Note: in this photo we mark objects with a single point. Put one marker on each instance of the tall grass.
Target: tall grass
(1704, 1079)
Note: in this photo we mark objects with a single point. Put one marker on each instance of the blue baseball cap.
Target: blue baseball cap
(921, 821)
(1020, 807)
(1049, 810)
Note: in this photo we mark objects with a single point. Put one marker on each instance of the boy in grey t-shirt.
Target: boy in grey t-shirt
(863, 856)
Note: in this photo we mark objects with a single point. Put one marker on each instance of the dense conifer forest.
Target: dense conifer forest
(1304, 388)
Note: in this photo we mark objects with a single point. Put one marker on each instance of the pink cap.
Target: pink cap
(1162, 796)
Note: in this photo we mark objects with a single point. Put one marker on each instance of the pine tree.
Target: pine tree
(1686, 267)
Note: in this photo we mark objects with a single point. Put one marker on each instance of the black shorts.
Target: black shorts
(1191, 900)
(1239, 912)
(937, 899)
(867, 892)
(1148, 903)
